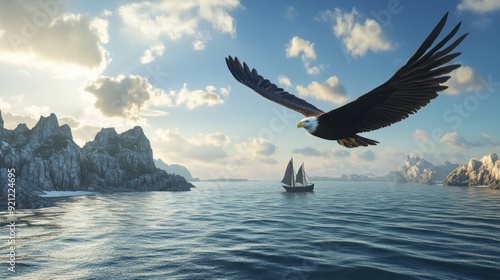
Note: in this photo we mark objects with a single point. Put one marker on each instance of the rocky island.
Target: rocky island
(413, 170)
(45, 158)
(484, 171)
(418, 170)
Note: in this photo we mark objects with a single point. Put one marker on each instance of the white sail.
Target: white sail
(288, 178)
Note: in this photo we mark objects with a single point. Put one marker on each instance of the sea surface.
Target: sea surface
(254, 230)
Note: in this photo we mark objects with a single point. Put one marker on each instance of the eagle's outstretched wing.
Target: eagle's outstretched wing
(264, 87)
(411, 88)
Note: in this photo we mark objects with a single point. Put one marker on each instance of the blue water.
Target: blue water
(254, 230)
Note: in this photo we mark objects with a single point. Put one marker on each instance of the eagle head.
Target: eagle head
(309, 123)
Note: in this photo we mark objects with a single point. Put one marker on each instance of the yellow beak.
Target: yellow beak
(300, 124)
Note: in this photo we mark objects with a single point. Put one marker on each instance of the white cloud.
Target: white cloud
(107, 13)
(198, 45)
(41, 36)
(181, 148)
(198, 97)
(284, 80)
(216, 12)
(131, 97)
(487, 139)
(358, 33)
(4, 105)
(126, 96)
(175, 20)
(80, 130)
(257, 147)
(217, 139)
(479, 6)
(463, 79)
(155, 50)
(12, 121)
(263, 148)
(37, 111)
(420, 134)
(455, 140)
(298, 46)
(331, 90)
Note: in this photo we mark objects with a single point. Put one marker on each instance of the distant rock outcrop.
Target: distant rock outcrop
(46, 158)
(358, 177)
(485, 171)
(417, 170)
(175, 169)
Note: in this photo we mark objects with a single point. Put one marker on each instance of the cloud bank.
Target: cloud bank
(131, 96)
(174, 20)
(39, 34)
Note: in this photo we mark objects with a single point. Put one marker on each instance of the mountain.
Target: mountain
(175, 169)
(485, 171)
(417, 170)
(46, 158)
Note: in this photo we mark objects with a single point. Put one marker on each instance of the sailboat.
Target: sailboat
(296, 183)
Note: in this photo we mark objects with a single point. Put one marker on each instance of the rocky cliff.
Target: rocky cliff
(46, 158)
(485, 171)
(417, 170)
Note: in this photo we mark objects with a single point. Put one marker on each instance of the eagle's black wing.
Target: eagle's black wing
(411, 88)
(264, 87)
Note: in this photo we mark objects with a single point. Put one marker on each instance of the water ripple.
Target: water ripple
(253, 230)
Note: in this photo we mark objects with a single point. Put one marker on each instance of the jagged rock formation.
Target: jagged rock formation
(417, 170)
(175, 169)
(485, 171)
(46, 158)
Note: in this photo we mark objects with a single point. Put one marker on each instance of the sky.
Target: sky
(160, 65)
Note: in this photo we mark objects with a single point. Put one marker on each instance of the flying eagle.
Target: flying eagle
(411, 88)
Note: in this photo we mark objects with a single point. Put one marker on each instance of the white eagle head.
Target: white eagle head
(309, 123)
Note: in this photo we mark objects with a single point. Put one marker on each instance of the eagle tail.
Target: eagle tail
(356, 141)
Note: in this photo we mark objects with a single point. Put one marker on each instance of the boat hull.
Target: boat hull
(308, 188)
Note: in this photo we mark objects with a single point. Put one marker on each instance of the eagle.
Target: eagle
(412, 87)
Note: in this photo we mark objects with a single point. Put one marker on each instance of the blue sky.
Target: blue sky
(160, 65)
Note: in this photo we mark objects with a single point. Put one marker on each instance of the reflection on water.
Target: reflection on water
(255, 230)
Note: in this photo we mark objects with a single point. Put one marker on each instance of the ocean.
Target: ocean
(255, 230)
